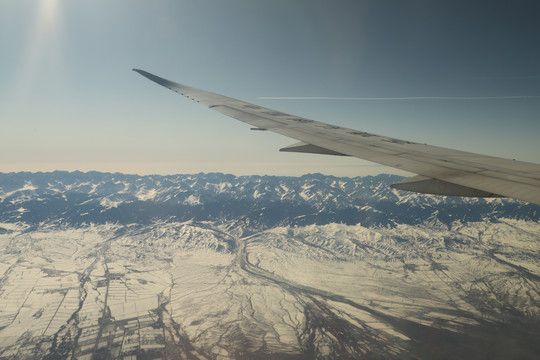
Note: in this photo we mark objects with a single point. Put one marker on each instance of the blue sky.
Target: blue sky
(69, 100)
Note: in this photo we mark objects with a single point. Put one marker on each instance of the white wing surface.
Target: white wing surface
(440, 171)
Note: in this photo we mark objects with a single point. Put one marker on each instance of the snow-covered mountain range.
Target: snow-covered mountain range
(260, 201)
(213, 266)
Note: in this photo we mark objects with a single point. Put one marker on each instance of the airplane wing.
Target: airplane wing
(440, 171)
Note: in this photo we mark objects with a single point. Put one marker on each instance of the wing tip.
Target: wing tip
(142, 72)
(159, 80)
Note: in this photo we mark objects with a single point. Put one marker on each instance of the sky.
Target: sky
(470, 71)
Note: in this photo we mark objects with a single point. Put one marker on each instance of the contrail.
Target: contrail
(524, 77)
(399, 98)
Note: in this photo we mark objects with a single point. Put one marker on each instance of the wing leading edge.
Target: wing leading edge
(440, 171)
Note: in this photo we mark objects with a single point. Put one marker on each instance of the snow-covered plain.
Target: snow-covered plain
(202, 290)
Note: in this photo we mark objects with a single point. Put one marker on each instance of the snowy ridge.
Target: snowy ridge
(82, 198)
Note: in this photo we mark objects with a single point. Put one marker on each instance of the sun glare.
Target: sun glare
(49, 11)
(42, 54)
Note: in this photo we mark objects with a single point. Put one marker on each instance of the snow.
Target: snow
(108, 203)
(216, 289)
(192, 200)
(145, 194)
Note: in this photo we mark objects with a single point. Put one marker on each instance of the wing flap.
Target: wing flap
(310, 149)
(425, 185)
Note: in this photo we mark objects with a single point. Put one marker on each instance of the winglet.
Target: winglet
(204, 97)
(161, 81)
